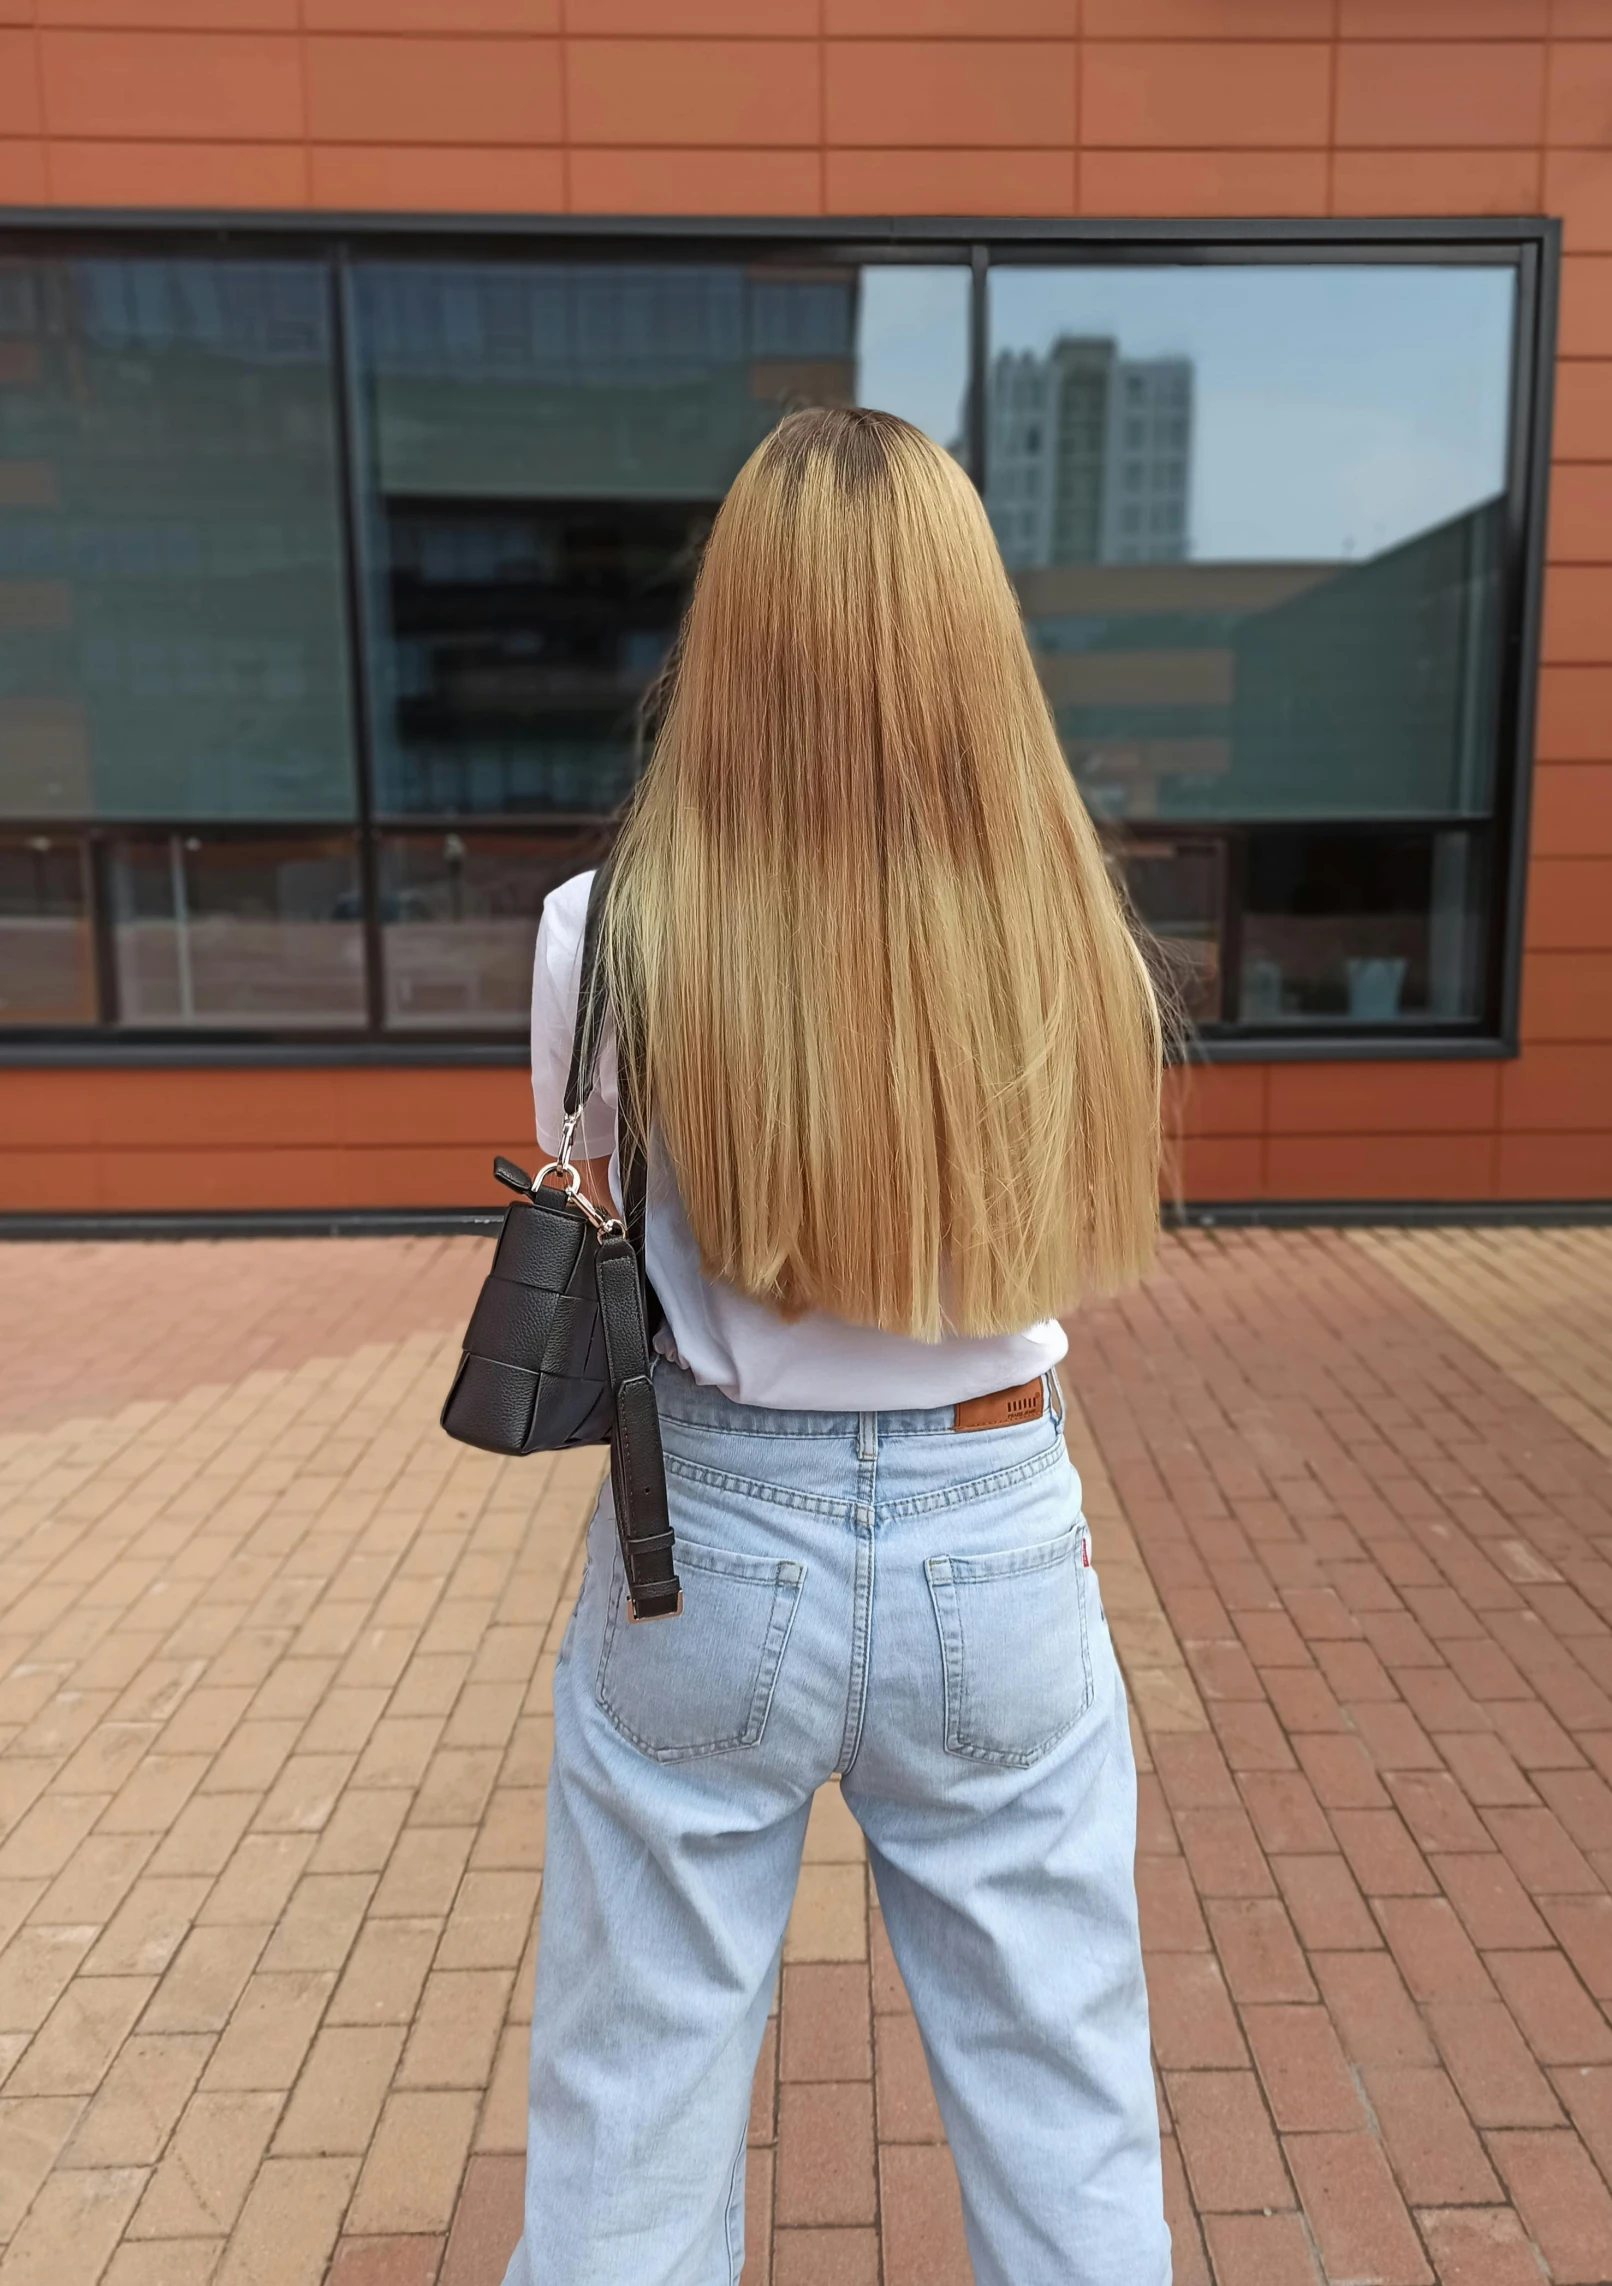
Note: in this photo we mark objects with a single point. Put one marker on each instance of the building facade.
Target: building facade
(370, 371)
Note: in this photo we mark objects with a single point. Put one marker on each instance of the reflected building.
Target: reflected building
(1090, 455)
(547, 446)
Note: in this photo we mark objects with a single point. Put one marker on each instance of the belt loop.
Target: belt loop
(867, 1436)
(1055, 1395)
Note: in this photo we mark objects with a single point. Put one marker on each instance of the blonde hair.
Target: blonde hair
(897, 1036)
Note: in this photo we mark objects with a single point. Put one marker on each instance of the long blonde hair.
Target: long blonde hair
(898, 1039)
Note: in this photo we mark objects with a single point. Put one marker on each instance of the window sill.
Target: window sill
(19, 1053)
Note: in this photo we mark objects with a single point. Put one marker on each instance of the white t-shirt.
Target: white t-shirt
(728, 1340)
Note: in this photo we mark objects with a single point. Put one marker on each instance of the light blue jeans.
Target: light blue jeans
(881, 1595)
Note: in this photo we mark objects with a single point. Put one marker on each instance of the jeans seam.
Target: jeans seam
(735, 2209)
(976, 1487)
(865, 1560)
(755, 1488)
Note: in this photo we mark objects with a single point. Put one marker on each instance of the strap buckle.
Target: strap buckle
(671, 1611)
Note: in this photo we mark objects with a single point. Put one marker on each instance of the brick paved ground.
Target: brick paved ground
(274, 1661)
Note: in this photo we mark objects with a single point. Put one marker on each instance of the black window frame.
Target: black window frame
(1530, 244)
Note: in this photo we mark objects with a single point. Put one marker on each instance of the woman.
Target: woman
(901, 1066)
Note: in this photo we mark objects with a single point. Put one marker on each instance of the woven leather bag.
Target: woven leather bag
(557, 1349)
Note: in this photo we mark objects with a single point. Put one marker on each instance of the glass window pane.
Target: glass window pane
(47, 960)
(459, 914)
(1255, 519)
(171, 632)
(1362, 928)
(1177, 889)
(238, 933)
(544, 446)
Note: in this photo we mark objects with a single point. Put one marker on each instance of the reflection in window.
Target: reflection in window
(1177, 890)
(1361, 928)
(544, 446)
(172, 643)
(1255, 519)
(459, 916)
(237, 932)
(47, 960)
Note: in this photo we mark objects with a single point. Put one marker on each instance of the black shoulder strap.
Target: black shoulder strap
(593, 1006)
(591, 1000)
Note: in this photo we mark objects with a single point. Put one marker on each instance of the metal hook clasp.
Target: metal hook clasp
(571, 1181)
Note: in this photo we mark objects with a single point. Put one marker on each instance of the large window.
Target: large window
(1257, 518)
(336, 572)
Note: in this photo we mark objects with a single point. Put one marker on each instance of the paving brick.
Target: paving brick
(1258, 1950)
(1437, 1812)
(1250, 1736)
(74, 2049)
(215, 2151)
(456, 2028)
(410, 2179)
(1586, 2094)
(826, 2024)
(828, 1921)
(1494, 1908)
(33, 2132)
(906, 2107)
(1286, 1814)
(1435, 2153)
(1561, 2199)
(1227, 2146)
(1191, 2014)
(207, 1977)
(337, 2100)
(1377, 2020)
(1583, 1928)
(1325, 1903)
(1556, 2016)
(921, 2218)
(1360, 2221)
(1189, 2263)
(73, 2226)
(825, 2153)
(825, 2258)
(1382, 1856)
(1394, 1738)
(1261, 2250)
(139, 2100)
(1437, 1958)
(385, 1972)
(1541, 1854)
(289, 2223)
(1305, 2075)
(1224, 1854)
(1172, 1918)
(1194, 1772)
(1479, 2246)
(1487, 2058)
(487, 2223)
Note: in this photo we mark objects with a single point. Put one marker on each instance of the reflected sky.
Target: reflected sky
(1338, 409)
(912, 347)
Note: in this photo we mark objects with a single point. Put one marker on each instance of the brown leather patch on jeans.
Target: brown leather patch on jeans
(1003, 1408)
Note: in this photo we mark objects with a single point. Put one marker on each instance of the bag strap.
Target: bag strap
(593, 1006)
(628, 1307)
(592, 1001)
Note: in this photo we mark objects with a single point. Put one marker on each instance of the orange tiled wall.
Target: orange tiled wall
(1187, 107)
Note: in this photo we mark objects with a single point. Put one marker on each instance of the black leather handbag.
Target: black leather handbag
(557, 1350)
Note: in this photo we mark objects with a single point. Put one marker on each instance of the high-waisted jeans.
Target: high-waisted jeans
(915, 1607)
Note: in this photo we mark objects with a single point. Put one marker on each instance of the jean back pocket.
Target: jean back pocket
(700, 1683)
(1014, 1645)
